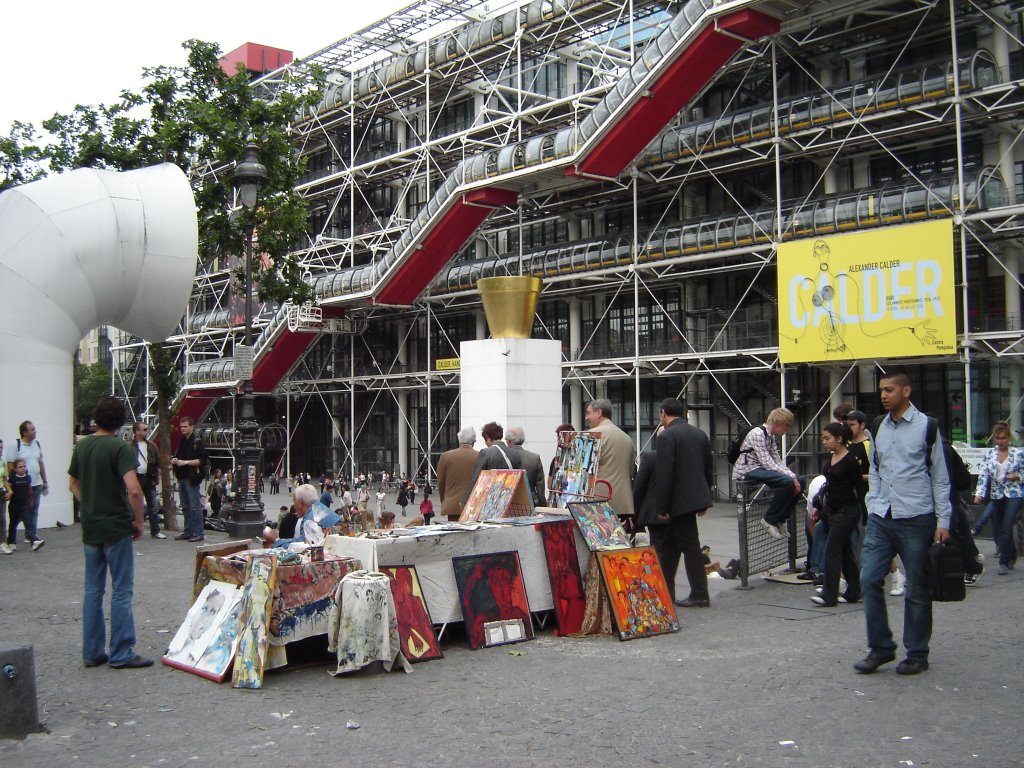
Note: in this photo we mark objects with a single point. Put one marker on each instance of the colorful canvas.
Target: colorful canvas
(218, 550)
(559, 539)
(304, 596)
(574, 470)
(198, 644)
(599, 525)
(257, 599)
(491, 589)
(416, 630)
(498, 493)
(638, 593)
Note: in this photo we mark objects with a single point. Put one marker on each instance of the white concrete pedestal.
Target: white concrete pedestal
(517, 383)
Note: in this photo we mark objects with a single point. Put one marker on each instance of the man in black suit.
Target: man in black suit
(684, 472)
(515, 437)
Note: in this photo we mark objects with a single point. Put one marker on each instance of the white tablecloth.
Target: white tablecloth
(432, 556)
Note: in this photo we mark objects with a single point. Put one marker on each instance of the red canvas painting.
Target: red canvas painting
(559, 539)
(638, 593)
(491, 590)
(415, 629)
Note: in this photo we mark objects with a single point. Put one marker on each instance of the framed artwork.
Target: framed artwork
(599, 525)
(254, 632)
(574, 470)
(638, 593)
(415, 629)
(498, 493)
(206, 641)
(491, 589)
(559, 538)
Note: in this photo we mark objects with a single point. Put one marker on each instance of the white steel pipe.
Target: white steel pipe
(77, 251)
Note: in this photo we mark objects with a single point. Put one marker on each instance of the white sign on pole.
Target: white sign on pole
(243, 359)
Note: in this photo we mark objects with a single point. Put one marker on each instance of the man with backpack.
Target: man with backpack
(908, 508)
(756, 457)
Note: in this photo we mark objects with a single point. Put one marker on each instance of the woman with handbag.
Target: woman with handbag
(999, 476)
(838, 504)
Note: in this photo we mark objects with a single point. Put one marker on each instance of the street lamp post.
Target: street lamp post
(247, 510)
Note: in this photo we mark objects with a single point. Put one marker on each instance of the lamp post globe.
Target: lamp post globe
(246, 515)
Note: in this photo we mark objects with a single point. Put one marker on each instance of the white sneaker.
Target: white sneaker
(37, 545)
(899, 584)
(5, 550)
(842, 586)
(773, 530)
(12, 547)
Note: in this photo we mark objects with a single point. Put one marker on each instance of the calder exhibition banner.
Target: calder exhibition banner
(882, 293)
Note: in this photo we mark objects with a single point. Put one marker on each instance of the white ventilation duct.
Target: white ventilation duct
(77, 251)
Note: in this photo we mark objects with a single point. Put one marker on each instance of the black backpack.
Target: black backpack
(946, 572)
(736, 446)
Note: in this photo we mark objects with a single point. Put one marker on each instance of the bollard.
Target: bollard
(19, 712)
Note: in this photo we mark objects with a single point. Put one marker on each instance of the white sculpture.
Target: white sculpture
(80, 250)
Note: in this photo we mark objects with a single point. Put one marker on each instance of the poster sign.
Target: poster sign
(880, 293)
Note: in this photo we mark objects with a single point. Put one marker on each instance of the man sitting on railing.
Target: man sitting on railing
(760, 460)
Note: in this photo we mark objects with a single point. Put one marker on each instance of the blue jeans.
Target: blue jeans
(910, 538)
(816, 557)
(1004, 513)
(119, 559)
(784, 499)
(188, 495)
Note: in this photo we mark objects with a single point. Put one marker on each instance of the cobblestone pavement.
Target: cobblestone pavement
(763, 678)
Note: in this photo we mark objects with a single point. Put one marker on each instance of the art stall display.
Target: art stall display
(363, 627)
(415, 629)
(495, 607)
(574, 472)
(639, 595)
(206, 642)
(599, 525)
(254, 632)
(567, 594)
(498, 493)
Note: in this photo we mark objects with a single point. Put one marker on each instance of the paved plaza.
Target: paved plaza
(763, 678)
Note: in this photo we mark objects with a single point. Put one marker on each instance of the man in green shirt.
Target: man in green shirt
(104, 482)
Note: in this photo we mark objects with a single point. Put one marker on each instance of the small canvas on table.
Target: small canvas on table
(206, 641)
(260, 582)
(575, 467)
(567, 594)
(491, 589)
(498, 493)
(638, 593)
(599, 525)
(416, 630)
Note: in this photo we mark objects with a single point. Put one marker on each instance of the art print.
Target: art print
(415, 629)
(257, 598)
(497, 493)
(491, 589)
(574, 470)
(196, 647)
(559, 538)
(599, 525)
(639, 596)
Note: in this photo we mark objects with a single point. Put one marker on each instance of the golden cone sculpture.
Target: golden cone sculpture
(509, 304)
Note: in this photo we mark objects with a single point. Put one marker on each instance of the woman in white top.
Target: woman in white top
(999, 476)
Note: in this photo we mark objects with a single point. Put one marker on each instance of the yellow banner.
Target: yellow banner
(446, 364)
(881, 293)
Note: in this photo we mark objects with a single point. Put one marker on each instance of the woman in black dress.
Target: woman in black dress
(838, 504)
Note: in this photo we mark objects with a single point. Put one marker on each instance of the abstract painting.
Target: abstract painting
(491, 589)
(498, 493)
(639, 595)
(260, 584)
(559, 539)
(599, 525)
(197, 645)
(574, 470)
(416, 630)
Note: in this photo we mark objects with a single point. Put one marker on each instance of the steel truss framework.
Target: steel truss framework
(659, 283)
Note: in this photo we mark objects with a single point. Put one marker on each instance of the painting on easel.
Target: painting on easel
(574, 470)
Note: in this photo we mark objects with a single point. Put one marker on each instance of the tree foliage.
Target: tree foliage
(91, 383)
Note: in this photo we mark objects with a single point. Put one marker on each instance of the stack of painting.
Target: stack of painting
(632, 576)
(207, 640)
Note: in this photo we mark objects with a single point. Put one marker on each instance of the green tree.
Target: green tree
(91, 383)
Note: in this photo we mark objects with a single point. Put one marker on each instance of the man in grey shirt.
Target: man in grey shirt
(908, 508)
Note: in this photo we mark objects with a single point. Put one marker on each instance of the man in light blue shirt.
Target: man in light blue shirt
(908, 508)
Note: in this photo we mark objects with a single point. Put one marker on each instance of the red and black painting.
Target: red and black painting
(491, 590)
(415, 629)
(559, 539)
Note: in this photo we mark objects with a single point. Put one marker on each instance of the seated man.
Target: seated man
(760, 460)
(314, 519)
